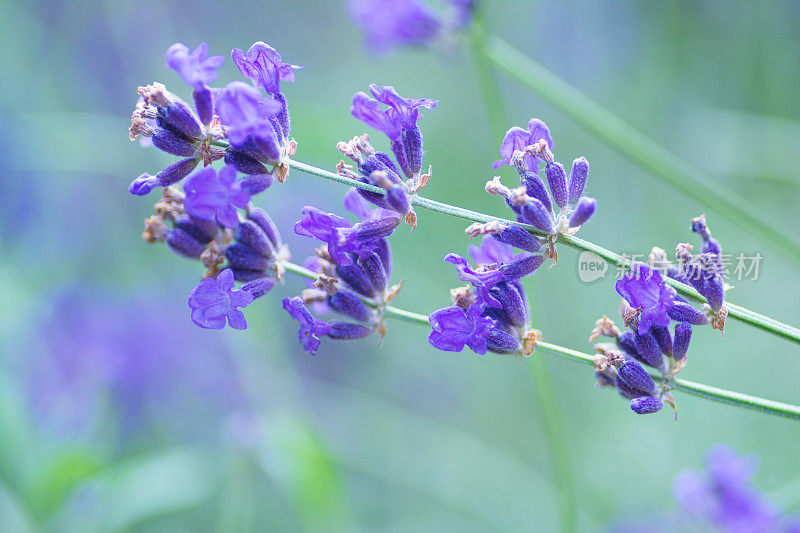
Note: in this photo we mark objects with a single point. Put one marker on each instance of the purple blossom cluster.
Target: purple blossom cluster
(353, 268)
(388, 24)
(492, 313)
(531, 203)
(248, 129)
(397, 117)
(659, 321)
(212, 220)
(648, 308)
(703, 271)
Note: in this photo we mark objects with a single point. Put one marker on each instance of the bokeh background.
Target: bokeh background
(117, 414)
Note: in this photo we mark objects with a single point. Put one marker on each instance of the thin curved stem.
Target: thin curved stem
(736, 312)
(700, 390)
(639, 148)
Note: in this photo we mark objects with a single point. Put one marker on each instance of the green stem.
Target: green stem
(556, 443)
(695, 389)
(736, 312)
(492, 100)
(637, 147)
(554, 433)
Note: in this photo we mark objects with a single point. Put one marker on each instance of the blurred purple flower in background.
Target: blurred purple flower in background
(391, 23)
(104, 354)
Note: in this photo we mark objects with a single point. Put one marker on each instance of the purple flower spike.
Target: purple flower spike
(481, 280)
(644, 288)
(311, 329)
(210, 196)
(453, 328)
(390, 23)
(264, 66)
(518, 139)
(644, 405)
(215, 300)
(247, 114)
(196, 68)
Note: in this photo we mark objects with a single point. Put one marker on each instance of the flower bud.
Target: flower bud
(373, 267)
(258, 287)
(645, 405)
(635, 376)
(356, 279)
(626, 391)
(260, 217)
(412, 139)
(522, 265)
(349, 304)
(664, 339)
(202, 230)
(249, 233)
(537, 215)
(256, 183)
(169, 142)
(399, 150)
(583, 211)
(513, 304)
(577, 178)
(627, 344)
(179, 116)
(347, 331)
(519, 237)
(245, 275)
(142, 185)
(244, 257)
(204, 103)
(683, 335)
(184, 244)
(535, 188)
(176, 171)
(714, 291)
(501, 342)
(685, 312)
(557, 179)
(648, 348)
(398, 199)
(244, 163)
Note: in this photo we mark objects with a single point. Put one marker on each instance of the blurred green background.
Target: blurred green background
(116, 414)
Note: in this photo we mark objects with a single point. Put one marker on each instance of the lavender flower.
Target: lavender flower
(354, 268)
(211, 196)
(644, 289)
(723, 495)
(264, 66)
(247, 114)
(531, 202)
(491, 315)
(391, 23)
(454, 328)
(215, 300)
(398, 121)
(311, 329)
(517, 139)
(196, 68)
